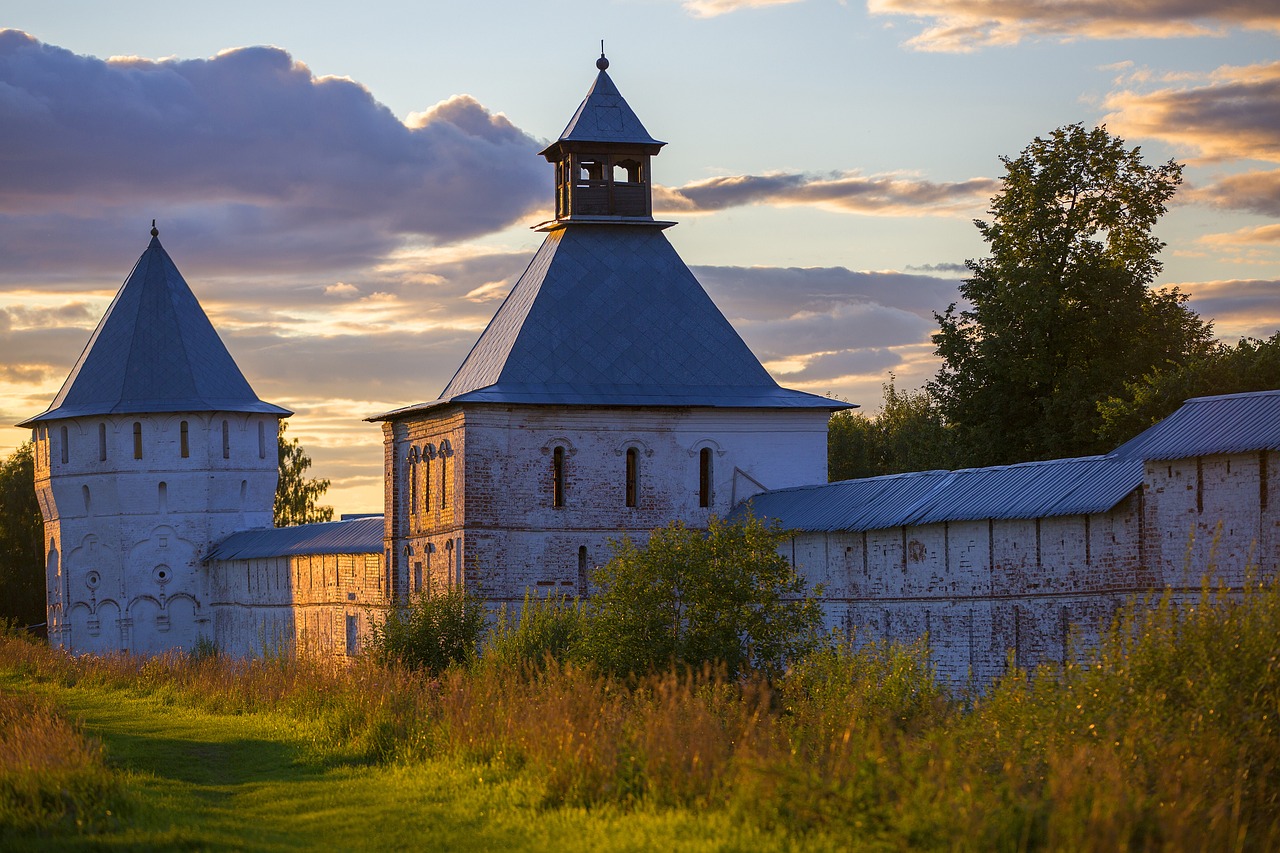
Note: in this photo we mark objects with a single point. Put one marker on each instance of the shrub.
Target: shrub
(688, 598)
(430, 632)
(546, 628)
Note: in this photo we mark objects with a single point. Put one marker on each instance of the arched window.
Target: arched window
(184, 439)
(704, 477)
(444, 474)
(137, 439)
(66, 449)
(633, 476)
(84, 492)
(557, 477)
(102, 442)
(412, 476)
(262, 440)
(226, 440)
(163, 497)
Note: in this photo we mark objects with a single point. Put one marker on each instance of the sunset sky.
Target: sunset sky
(348, 188)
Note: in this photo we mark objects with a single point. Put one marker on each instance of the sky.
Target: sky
(349, 189)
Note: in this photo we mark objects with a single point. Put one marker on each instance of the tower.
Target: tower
(607, 397)
(155, 448)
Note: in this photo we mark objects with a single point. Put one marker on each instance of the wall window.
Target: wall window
(412, 475)
(582, 571)
(353, 634)
(557, 477)
(704, 477)
(226, 440)
(137, 439)
(417, 576)
(426, 479)
(162, 497)
(444, 481)
(102, 442)
(184, 439)
(66, 449)
(262, 440)
(633, 476)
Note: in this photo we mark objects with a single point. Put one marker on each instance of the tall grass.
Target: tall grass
(1164, 738)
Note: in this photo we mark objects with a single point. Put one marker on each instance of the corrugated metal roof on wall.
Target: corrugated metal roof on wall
(1205, 426)
(356, 536)
(1031, 490)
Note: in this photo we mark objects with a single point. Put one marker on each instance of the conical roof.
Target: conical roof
(605, 116)
(611, 316)
(154, 351)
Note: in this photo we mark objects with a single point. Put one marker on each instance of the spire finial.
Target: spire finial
(602, 63)
(155, 232)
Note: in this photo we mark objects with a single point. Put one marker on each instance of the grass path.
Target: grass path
(204, 781)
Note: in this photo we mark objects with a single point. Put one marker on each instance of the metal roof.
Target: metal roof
(605, 116)
(610, 315)
(154, 351)
(354, 536)
(1080, 486)
(1205, 426)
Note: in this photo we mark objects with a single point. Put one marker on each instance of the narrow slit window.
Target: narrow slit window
(426, 481)
(557, 477)
(137, 439)
(226, 440)
(66, 450)
(262, 440)
(184, 439)
(444, 481)
(704, 477)
(102, 442)
(633, 474)
(1262, 479)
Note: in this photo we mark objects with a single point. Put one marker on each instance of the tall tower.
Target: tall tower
(607, 396)
(155, 448)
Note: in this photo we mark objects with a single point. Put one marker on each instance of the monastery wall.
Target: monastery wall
(314, 605)
(994, 592)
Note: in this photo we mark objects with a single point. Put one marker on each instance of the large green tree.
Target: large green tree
(298, 496)
(1060, 315)
(22, 594)
(908, 434)
(690, 597)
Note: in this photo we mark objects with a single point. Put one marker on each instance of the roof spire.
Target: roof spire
(155, 232)
(602, 63)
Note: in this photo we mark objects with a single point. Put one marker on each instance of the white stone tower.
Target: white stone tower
(155, 449)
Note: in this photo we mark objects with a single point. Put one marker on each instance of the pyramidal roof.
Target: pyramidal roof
(154, 351)
(610, 315)
(604, 116)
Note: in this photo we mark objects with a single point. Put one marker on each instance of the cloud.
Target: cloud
(961, 26)
(1258, 235)
(1229, 114)
(269, 163)
(1255, 192)
(1237, 307)
(961, 269)
(715, 8)
(849, 192)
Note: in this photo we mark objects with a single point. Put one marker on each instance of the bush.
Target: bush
(430, 632)
(545, 629)
(688, 599)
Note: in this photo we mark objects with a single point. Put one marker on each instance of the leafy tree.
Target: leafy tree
(689, 598)
(22, 580)
(430, 632)
(296, 494)
(908, 434)
(1250, 365)
(1060, 314)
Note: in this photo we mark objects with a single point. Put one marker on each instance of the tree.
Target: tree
(1250, 365)
(1060, 314)
(22, 580)
(296, 494)
(689, 598)
(908, 434)
(430, 632)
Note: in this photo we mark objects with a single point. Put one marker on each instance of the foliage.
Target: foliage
(687, 599)
(544, 630)
(431, 631)
(297, 494)
(908, 434)
(22, 593)
(1250, 365)
(1060, 315)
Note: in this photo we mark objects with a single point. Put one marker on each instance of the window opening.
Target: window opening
(163, 497)
(102, 442)
(1262, 479)
(626, 171)
(417, 577)
(66, 451)
(226, 440)
(582, 571)
(704, 477)
(137, 439)
(633, 466)
(184, 439)
(444, 481)
(262, 440)
(557, 477)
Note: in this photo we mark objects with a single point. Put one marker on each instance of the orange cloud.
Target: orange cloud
(960, 26)
(714, 8)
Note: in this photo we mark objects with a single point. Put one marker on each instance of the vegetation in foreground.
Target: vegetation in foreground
(1166, 739)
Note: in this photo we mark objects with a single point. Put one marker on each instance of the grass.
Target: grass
(1166, 738)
